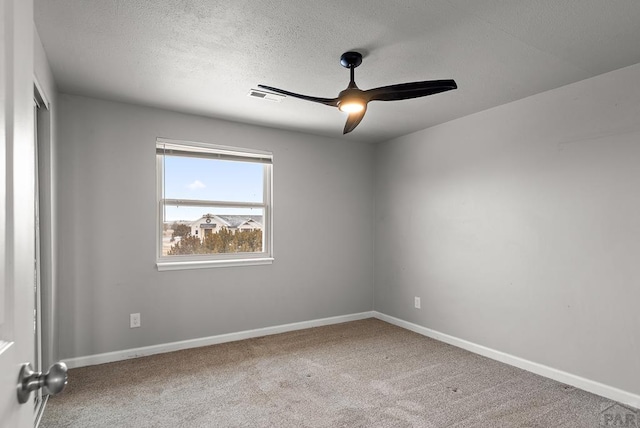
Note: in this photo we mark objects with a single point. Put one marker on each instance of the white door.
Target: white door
(16, 206)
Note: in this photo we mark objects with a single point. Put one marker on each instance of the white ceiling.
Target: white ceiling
(203, 56)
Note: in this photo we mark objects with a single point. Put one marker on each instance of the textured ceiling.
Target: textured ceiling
(203, 56)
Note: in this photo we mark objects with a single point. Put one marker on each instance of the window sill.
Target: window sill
(206, 264)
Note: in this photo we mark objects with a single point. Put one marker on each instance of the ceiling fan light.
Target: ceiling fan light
(353, 106)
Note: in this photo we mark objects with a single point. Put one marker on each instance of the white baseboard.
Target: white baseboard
(126, 354)
(542, 370)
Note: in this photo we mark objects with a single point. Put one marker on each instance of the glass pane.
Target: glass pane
(212, 179)
(212, 230)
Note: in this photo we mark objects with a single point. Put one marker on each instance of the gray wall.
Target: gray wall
(519, 227)
(107, 233)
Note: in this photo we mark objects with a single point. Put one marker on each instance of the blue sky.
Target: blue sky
(210, 179)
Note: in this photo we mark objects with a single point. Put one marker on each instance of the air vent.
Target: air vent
(269, 96)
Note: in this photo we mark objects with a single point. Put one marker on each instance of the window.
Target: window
(214, 205)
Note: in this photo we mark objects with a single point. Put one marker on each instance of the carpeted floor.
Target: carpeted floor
(359, 374)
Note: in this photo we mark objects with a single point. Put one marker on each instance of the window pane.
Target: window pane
(212, 179)
(212, 230)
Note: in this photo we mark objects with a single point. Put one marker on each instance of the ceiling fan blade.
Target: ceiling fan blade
(354, 120)
(333, 102)
(405, 91)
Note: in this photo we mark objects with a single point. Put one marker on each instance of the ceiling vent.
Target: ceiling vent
(269, 96)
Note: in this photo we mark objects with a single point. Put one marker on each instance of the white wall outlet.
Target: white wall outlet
(134, 320)
(416, 302)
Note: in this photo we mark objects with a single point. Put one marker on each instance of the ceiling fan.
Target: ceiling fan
(354, 100)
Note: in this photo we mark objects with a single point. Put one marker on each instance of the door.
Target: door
(17, 193)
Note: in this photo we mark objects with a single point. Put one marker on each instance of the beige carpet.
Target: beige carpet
(359, 374)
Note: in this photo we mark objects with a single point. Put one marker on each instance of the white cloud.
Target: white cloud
(196, 185)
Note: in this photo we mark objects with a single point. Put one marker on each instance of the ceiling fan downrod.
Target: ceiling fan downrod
(351, 60)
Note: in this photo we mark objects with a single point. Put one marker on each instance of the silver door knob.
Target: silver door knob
(28, 380)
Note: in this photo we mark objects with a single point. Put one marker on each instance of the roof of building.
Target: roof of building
(237, 220)
(232, 221)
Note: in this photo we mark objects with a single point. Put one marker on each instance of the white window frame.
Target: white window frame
(201, 261)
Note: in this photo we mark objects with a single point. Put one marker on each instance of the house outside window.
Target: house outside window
(214, 205)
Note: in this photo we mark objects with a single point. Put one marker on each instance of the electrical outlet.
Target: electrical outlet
(134, 320)
(416, 302)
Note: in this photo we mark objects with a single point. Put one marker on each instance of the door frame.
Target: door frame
(46, 192)
(43, 239)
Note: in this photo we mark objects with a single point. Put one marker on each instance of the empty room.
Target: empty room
(320, 214)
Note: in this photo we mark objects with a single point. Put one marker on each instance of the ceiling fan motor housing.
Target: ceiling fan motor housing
(351, 59)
